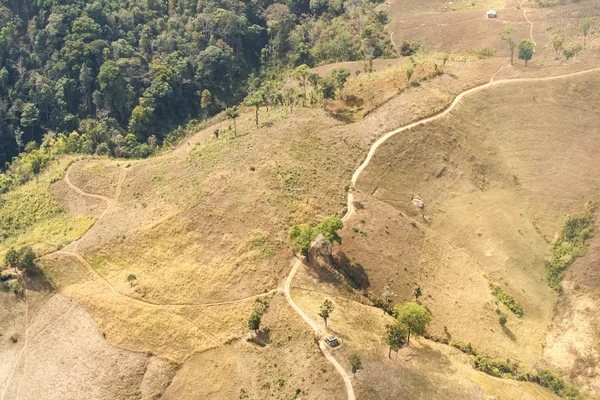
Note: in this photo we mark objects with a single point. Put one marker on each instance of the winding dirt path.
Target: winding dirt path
(530, 26)
(110, 202)
(351, 209)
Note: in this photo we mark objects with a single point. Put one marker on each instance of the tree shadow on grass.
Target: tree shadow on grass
(262, 337)
(509, 333)
(354, 273)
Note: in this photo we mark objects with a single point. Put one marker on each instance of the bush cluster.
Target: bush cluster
(510, 302)
(572, 242)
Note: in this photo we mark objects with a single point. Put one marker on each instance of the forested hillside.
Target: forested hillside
(107, 68)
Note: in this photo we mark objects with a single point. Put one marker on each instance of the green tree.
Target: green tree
(206, 99)
(526, 49)
(260, 307)
(509, 35)
(141, 119)
(502, 318)
(303, 73)
(11, 258)
(396, 337)
(356, 364)
(444, 61)
(586, 24)
(30, 116)
(115, 89)
(558, 42)
(568, 53)
(256, 100)
(329, 228)
(325, 310)
(232, 113)
(340, 76)
(86, 82)
(414, 316)
(254, 321)
(302, 235)
(327, 87)
(26, 257)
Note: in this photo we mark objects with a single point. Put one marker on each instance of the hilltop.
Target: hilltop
(148, 269)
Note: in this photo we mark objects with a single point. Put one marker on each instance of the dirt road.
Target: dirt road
(350, 208)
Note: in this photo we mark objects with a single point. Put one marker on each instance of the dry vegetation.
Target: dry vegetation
(206, 222)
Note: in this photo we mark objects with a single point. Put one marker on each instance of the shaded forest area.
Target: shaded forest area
(122, 74)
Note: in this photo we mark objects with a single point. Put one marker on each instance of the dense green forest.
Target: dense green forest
(122, 74)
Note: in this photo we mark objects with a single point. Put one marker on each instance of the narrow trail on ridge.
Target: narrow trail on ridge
(71, 250)
(110, 201)
(530, 26)
(351, 209)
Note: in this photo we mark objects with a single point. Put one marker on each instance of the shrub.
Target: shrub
(501, 317)
(495, 367)
(572, 242)
(409, 48)
(510, 302)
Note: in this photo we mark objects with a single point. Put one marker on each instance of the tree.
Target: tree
(86, 81)
(232, 113)
(586, 24)
(303, 73)
(444, 61)
(30, 116)
(302, 235)
(329, 228)
(356, 364)
(396, 337)
(326, 310)
(340, 75)
(568, 53)
(260, 308)
(131, 278)
(327, 87)
(417, 292)
(206, 99)
(11, 258)
(254, 321)
(414, 316)
(256, 100)
(409, 73)
(558, 42)
(526, 49)
(509, 34)
(502, 318)
(26, 257)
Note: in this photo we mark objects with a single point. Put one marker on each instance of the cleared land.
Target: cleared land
(488, 153)
(206, 223)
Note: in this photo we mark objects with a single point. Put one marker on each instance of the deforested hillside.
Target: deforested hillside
(335, 225)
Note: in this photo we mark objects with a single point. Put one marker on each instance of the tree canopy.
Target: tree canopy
(526, 50)
(107, 68)
(396, 336)
(414, 317)
(301, 236)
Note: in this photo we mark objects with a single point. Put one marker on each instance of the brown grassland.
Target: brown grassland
(203, 229)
